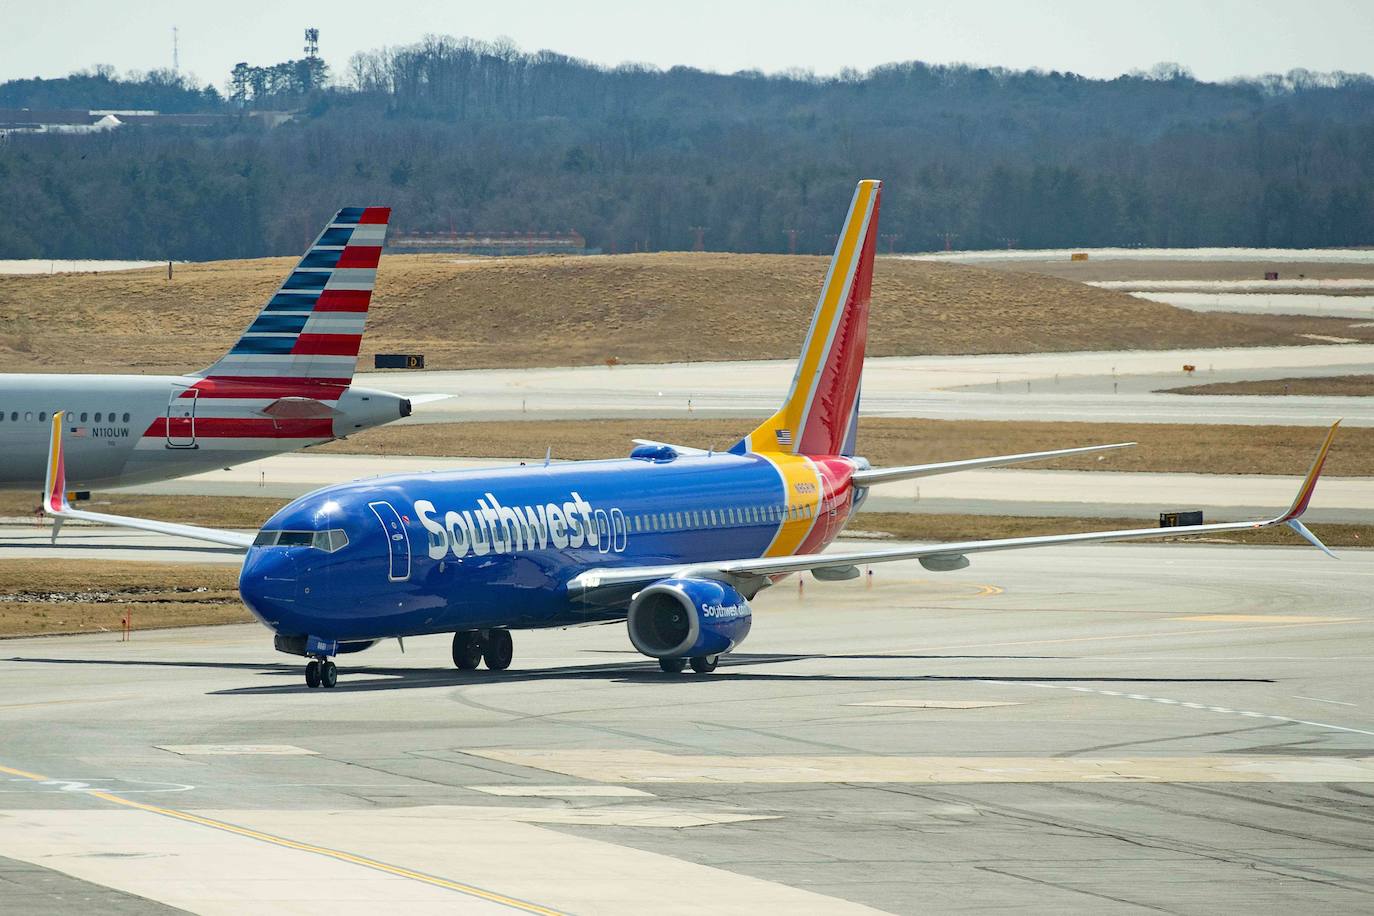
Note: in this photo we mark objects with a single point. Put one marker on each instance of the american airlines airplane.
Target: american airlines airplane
(284, 385)
(673, 540)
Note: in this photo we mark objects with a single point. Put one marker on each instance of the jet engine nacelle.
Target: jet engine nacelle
(682, 618)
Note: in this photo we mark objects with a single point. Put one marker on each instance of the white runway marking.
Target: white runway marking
(1225, 710)
(1320, 700)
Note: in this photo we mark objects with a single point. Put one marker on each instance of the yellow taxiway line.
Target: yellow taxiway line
(336, 854)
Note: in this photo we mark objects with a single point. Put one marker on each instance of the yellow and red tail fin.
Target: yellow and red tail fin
(821, 411)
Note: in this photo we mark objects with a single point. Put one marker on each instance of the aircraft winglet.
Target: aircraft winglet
(1309, 484)
(55, 504)
(55, 484)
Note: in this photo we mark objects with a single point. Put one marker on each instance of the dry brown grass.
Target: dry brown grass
(1205, 449)
(923, 527)
(81, 596)
(1355, 386)
(641, 308)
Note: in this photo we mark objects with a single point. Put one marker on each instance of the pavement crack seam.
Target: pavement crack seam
(1076, 890)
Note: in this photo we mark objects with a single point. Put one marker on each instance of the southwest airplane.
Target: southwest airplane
(673, 540)
(285, 385)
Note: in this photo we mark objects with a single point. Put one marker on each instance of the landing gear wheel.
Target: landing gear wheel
(312, 674)
(467, 649)
(672, 665)
(498, 650)
(329, 675)
(705, 664)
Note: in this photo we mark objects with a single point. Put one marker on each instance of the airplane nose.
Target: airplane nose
(268, 584)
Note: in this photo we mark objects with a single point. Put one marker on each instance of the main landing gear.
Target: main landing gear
(472, 647)
(321, 673)
(701, 664)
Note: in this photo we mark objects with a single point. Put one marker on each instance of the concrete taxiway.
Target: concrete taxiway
(1113, 728)
(1098, 387)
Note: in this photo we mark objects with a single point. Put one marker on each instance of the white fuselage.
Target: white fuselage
(129, 429)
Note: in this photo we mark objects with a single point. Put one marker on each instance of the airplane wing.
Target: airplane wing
(750, 573)
(867, 478)
(55, 504)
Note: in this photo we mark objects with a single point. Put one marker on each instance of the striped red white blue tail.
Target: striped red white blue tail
(820, 415)
(310, 330)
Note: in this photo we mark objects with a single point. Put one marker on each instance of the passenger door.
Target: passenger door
(397, 540)
(181, 417)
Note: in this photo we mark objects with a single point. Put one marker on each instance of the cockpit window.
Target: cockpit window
(328, 541)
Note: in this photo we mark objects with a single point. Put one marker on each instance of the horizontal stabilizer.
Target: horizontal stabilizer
(418, 399)
(868, 478)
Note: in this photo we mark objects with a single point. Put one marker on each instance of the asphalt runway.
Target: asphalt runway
(1107, 729)
(1087, 387)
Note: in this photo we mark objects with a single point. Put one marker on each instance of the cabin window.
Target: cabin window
(14, 416)
(83, 416)
(97, 416)
(126, 418)
(42, 416)
(713, 518)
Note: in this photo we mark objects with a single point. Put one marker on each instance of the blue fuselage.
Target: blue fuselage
(413, 554)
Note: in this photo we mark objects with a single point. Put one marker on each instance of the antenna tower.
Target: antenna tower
(176, 58)
(312, 43)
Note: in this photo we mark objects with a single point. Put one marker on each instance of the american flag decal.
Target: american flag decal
(784, 436)
(79, 431)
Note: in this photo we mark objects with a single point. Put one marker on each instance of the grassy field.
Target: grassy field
(1206, 449)
(645, 308)
(40, 597)
(1355, 386)
(81, 596)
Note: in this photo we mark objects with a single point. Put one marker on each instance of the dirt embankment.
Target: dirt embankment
(644, 308)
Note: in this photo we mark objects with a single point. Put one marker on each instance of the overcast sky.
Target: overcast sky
(1216, 39)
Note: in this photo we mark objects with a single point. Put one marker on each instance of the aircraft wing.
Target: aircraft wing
(752, 572)
(867, 478)
(55, 504)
